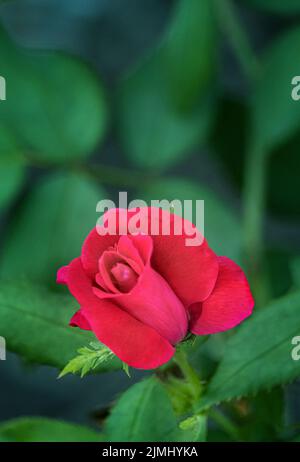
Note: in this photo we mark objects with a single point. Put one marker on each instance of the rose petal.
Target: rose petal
(191, 271)
(92, 249)
(133, 342)
(106, 262)
(125, 277)
(79, 320)
(127, 249)
(62, 275)
(229, 304)
(153, 302)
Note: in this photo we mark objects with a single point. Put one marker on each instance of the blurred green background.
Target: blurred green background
(187, 99)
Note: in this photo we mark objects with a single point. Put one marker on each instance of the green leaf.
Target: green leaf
(222, 228)
(165, 106)
(12, 171)
(36, 429)
(50, 228)
(277, 6)
(143, 413)
(88, 360)
(9, 149)
(35, 323)
(11, 179)
(194, 428)
(295, 269)
(55, 104)
(265, 416)
(258, 356)
(276, 115)
(125, 368)
(188, 52)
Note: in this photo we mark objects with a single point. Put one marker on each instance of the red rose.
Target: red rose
(141, 294)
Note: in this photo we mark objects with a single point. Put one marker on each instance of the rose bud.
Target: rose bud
(142, 289)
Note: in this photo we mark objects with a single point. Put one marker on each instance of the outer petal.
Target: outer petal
(62, 275)
(92, 249)
(79, 320)
(191, 270)
(154, 303)
(151, 301)
(133, 342)
(229, 304)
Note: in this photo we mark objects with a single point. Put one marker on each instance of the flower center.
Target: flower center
(124, 276)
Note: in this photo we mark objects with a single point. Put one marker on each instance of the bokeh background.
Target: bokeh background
(163, 99)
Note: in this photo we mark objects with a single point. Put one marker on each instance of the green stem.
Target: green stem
(194, 380)
(254, 202)
(256, 161)
(254, 209)
(110, 175)
(189, 373)
(120, 177)
(225, 423)
(231, 26)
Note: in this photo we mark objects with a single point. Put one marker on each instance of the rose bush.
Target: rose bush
(141, 293)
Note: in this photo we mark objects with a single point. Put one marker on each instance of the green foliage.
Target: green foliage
(126, 369)
(49, 230)
(181, 394)
(165, 108)
(284, 170)
(278, 6)
(11, 179)
(264, 417)
(229, 143)
(276, 116)
(143, 413)
(46, 89)
(249, 366)
(217, 212)
(41, 430)
(55, 116)
(35, 324)
(194, 428)
(188, 52)
(280, 272)
(11, 167)
(229, 137)
(89, 359)
(295, 268)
